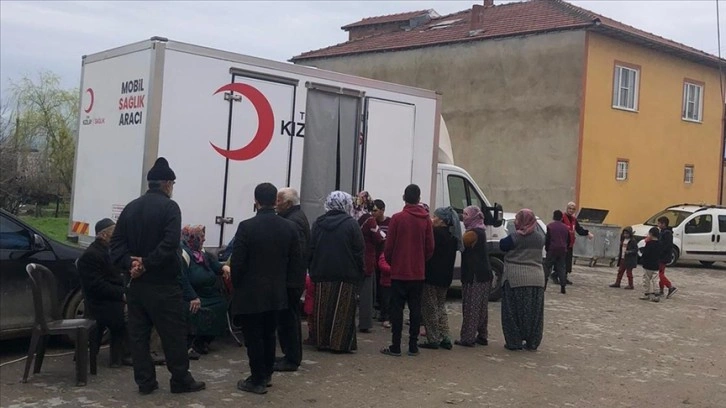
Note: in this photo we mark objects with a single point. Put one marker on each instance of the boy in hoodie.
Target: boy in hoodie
(650, 259)
(666, 246)
(627, 258)
(409, 244)
(557, 242)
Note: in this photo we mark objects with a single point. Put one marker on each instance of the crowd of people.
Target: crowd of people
(355, 265)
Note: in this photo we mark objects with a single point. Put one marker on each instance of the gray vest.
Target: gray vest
(523, 264)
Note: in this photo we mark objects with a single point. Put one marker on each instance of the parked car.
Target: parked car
(697, 232)
(21, 244)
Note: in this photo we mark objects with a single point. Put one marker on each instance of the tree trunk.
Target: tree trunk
(57, 205)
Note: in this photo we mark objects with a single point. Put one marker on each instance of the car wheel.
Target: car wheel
(675, 254)
(497, 271)
(75, 308)
(707, 263)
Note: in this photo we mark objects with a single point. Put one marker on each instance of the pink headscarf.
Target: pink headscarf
(473, 218)
(525, 222)
(193, 238)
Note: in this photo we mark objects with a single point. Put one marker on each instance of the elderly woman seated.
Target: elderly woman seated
(203, 291)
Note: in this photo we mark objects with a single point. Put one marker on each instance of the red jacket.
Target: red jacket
(385, 269)
(372, 237)
(410, 243)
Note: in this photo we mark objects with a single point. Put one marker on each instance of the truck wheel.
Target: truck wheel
(497, 270)
(75, 309)
(675, 254)
(706, 263)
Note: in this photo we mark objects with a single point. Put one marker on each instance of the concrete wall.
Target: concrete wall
(655, 140)
(512, 107)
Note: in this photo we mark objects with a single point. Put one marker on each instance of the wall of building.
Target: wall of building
(512, 108)
(655, 140)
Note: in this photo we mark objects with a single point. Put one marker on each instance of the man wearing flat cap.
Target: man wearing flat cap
(103, 291)
(146, 243)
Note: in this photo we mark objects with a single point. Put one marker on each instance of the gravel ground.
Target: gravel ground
(602, 348)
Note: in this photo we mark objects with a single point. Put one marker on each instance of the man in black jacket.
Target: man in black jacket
(265, 257)
(289, 330)
(146, 243)
(103, 292)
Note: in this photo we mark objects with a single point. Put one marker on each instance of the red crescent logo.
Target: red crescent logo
(90, 106)
(265, 128)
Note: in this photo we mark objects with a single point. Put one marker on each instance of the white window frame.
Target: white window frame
(692, 104)
(688, 172)
(622, 167)
(621, 84)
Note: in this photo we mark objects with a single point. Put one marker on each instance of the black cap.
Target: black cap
(103, 224)
(161, 171)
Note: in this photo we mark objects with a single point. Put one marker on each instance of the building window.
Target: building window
(625, 88)
(621, 170)
(692, 101)
(688, 174)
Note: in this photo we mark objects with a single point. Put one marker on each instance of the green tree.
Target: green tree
(48, 120)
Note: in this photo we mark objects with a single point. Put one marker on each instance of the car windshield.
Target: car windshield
(675, 217)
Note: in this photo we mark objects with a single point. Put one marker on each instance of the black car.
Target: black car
(21, 244)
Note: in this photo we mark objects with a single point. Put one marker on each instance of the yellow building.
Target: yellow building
(546, 103)
(651, 131)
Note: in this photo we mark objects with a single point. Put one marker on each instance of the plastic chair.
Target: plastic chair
(83, 330)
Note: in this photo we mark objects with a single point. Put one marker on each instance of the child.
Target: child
(650, 259)
(666, 246)
(308, 309)
(627, 258)
(557, 241)
(385, 285)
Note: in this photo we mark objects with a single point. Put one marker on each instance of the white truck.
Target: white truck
(226, 122)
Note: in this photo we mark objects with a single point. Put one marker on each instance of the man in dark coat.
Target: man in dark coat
(147, 243)
(103, 292)
(289, 330)
(266, 256)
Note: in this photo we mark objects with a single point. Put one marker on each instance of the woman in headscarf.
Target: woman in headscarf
(523, 284)
(202, 289)
(337, 268)
(372, 237)
(476, 280)
(439, 274)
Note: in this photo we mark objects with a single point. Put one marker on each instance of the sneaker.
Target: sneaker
(615, 285)
(283, 366)
(249, 386)
(629, 287)
(482, 341)
(671, 291)
(148, 390)
(563, 290)
(192, 386)
(193, 354)
(655, 299)
(446, 344)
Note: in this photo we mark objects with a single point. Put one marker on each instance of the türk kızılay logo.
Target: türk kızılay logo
(265, 128)
(89, 98)
(131, 103)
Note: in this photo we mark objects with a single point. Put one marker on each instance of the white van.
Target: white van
(699, 232)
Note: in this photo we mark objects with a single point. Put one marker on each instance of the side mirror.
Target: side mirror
(494, 215)
(38, 243)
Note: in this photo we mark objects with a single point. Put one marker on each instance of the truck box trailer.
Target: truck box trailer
(226, 122)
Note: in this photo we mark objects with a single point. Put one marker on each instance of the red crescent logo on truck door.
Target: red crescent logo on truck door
(90, 105)
(265, 127)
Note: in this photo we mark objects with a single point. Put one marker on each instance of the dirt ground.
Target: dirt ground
(602, 348)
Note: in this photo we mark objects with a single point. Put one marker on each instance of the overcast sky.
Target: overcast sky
(53, 35)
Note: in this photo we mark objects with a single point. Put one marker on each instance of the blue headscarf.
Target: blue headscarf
(449, 216)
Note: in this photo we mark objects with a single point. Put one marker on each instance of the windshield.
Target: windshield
(675, 217)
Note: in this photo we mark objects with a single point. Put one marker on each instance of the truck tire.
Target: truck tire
(675, 254)
(74, 309)
(497, 270)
